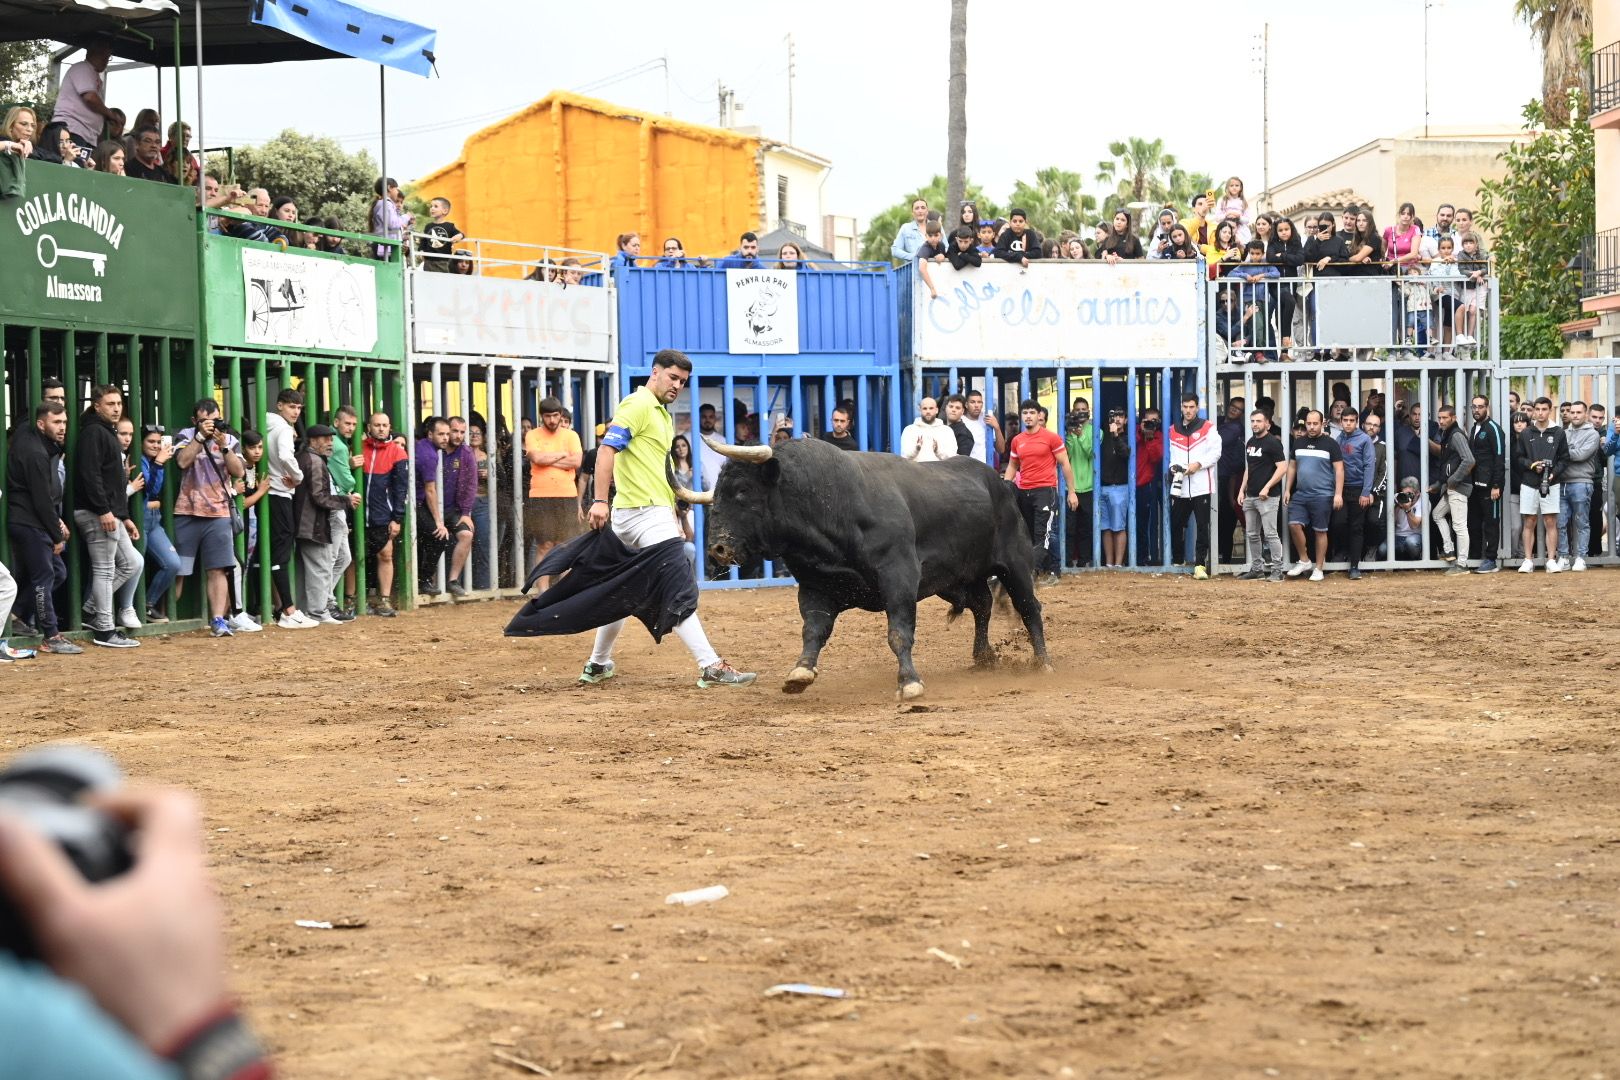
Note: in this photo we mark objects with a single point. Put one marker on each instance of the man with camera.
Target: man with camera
(1195, 449)
(1489, 445)
(1451, 490)
(1313, 491)
(1408, 520)
(1540, 452)
(1149, 489)
(1080, 441)
(1113, 488)
(135, 985)
(209, 460)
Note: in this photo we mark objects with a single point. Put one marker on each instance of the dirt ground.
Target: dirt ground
(1342, 830)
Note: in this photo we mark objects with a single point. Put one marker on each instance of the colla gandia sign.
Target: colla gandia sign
(78, 248)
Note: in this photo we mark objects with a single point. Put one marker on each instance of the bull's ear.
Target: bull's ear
(772, 471)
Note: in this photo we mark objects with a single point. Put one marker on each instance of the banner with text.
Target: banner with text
(1144, 311)
(762, 311)
(485, 316)
(305, 301)
(81, 248)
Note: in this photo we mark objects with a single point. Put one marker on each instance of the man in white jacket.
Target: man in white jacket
(928, 438)
(280, 457)
(1195, 450)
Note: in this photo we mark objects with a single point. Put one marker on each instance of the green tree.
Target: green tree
(1139, 171)
(1564, 30)
(320, 176)
(1541, 211)
(22, 73)
(1055, 202)
(881, 230)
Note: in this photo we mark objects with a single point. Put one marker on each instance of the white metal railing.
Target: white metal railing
(511, 259)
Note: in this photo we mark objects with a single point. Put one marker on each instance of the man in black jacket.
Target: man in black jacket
(1540, 453)
(102, 511)
(955, 407)
(1489, 445)
(38, 534)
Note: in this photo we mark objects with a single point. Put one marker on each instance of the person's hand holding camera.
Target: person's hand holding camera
(147, 945)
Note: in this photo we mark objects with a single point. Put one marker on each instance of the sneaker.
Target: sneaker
(113, 639)
(723, 674)
(1465, 339)
(8, 654)
(1316, 575)
(1528, 566)
(128, 619)
(1487, 566)
(1355, 573)
(597, 673)
(382, 609)
(1299, 568)
(221, 628)
(456, 589)
(1555, 566)
(242, 622)
(1580, 564)
(427, 588)
(22, 627)
(341, 615)
(1046, 580)
(1254, 574)
(60, 645)
(295, 620)
(327, 617)
(1200, 574)
(1275, 575)
(1456, 568)
(153, 615)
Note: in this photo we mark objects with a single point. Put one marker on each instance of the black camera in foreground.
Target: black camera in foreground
(44, 789)
(1404, 499)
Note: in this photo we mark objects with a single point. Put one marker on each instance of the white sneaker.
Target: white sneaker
(325, 616)
(1299, 568)
(1580, 564)
(1465, 339)
(1528, 566)
(131, 621)
(1316, 575)
(1555, 566)
(295, 620)
(243, 623)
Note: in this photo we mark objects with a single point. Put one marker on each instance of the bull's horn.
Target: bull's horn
(697, 498)
(756, 454)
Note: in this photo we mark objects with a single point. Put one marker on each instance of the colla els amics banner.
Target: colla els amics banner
(80, 248)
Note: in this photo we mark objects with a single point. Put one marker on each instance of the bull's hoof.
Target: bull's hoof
(798, 680)
(1044, 667)
(910, 692)
(986, 661)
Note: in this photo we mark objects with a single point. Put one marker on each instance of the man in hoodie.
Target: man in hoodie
(1149, 488)
(317, 508)
(385, 467)
(38, 533)
(1581, 471)
(1229, 476)
(1359, 511)
(1489, 444)
(1539, 456)
(1195, 449)
(1033, 459)
(1451, 490)
(280, 444)
(955, 409)
(102, 512)
(927, 438)
(1018, 243)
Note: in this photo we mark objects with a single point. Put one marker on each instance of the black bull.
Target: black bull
(877, 532)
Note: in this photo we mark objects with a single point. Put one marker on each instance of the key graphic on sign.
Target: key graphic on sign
(49, 253)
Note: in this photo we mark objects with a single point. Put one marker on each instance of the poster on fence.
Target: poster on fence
(762, 311)
(483, 316)
(1057, 310)
(304, 301)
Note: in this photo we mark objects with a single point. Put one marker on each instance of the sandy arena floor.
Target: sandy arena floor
(1247, 830)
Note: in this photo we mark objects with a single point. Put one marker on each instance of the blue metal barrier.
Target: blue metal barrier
(847, 350)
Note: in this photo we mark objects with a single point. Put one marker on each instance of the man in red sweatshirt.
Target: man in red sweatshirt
(1150, 489)
(387, 480)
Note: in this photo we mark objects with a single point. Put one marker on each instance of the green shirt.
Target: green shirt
(640, 433)
(342, 471)
(1081, 446)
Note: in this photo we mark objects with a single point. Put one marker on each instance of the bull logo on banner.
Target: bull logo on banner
(762, 311)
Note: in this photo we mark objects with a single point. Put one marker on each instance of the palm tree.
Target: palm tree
(1054, 202)
(1138, 170)
(956, 130)
(1561, 26)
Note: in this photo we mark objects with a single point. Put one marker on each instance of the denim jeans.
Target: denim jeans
(111, 565)
(480, 548)
(1574, 515)
(160, 552)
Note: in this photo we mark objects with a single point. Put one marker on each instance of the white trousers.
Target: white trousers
(640, 528)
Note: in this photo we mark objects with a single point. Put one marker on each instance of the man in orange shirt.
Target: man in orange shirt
(554, 452)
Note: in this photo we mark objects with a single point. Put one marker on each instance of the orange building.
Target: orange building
(575, 172)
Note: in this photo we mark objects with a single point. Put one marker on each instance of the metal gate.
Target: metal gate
(489, 346)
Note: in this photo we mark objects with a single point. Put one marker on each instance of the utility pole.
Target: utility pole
(956, 103)
(790, 73)
(1262, 59)
(1426, 67)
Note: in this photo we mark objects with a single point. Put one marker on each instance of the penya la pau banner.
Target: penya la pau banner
(83, 249)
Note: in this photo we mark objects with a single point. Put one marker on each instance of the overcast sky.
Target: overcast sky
(1049, 83)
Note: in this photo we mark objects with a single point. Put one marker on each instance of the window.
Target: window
(781, 198)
